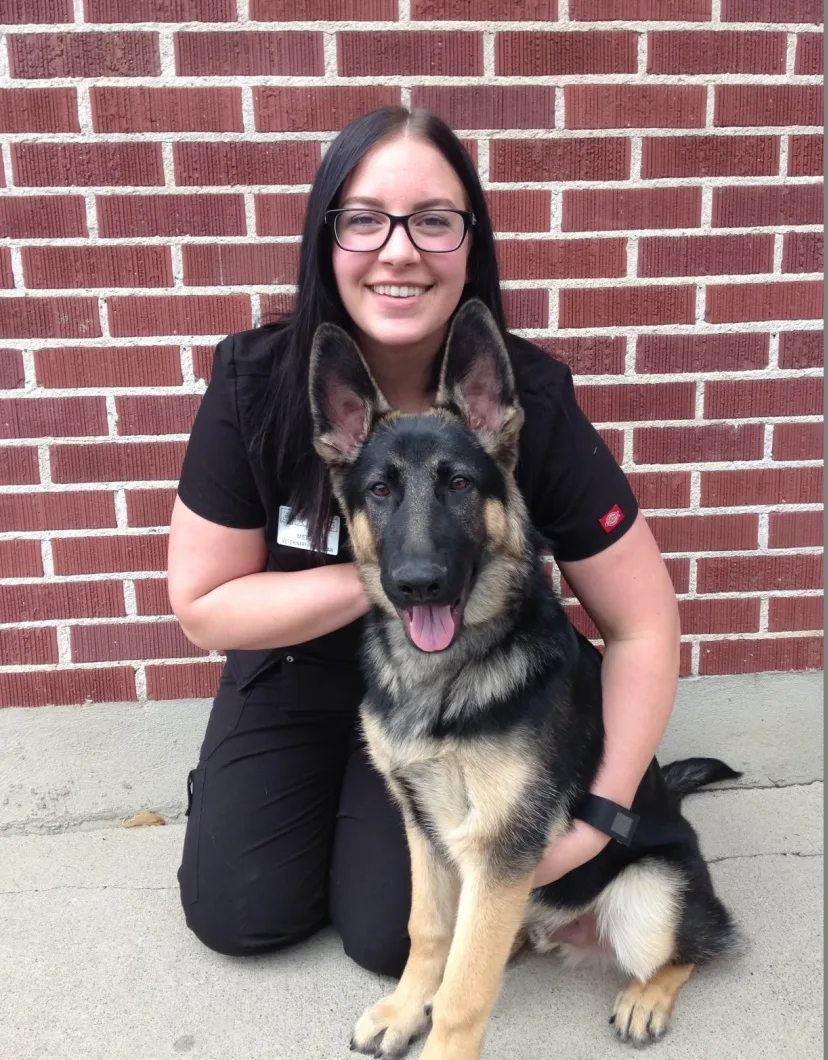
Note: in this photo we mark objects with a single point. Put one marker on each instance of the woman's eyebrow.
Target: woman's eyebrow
(426, 204)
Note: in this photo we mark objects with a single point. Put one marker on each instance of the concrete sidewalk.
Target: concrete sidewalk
(97, 964)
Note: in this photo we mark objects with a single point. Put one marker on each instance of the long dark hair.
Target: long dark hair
(284, 438)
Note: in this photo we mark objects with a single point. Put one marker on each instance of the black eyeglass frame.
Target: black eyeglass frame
(469, 221)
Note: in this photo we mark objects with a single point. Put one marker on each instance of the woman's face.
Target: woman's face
(399, 177)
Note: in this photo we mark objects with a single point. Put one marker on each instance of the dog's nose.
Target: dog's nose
(420, 581)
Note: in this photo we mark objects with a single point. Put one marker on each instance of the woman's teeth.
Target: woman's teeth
(399, 292)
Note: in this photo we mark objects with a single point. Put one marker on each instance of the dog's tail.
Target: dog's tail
(690, 774)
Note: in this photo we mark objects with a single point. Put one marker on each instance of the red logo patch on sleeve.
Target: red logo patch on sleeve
(613, 517)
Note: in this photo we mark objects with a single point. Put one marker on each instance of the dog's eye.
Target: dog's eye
(379, 489)
(459, 482)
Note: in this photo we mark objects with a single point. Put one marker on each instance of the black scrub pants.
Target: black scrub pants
(289, 825)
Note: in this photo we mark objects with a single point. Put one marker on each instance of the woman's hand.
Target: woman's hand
(568, 852)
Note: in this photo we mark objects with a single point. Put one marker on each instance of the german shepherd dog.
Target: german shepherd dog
(483, 711)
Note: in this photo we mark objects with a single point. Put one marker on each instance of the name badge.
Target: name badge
(294, 533)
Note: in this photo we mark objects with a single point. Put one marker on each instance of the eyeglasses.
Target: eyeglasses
(432, 231)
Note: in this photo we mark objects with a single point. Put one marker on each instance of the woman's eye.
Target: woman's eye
(459, 482)
(379, 489)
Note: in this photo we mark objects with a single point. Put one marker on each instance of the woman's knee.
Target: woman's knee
(384, 955)
(215, 925)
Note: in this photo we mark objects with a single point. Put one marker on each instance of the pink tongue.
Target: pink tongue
(432, 628)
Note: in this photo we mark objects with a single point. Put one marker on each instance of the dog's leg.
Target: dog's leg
(642, 1012)
(489, 916)
(387, 1028)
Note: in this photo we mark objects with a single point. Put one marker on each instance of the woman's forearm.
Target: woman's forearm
(638, 679)
(273, 609)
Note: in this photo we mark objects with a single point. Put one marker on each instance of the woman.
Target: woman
(289, 826)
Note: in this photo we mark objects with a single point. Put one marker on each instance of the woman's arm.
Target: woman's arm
(224, 599)
(627, 592)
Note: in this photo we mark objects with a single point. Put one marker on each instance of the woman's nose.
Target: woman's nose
(399, 247)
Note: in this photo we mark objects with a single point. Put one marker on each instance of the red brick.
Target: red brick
(809, 54)
(760, 398)
(705, 533)
(278, 108)
(18, 465)
(795, 612)
(6, 273)
(733, 574)
(106, 366)
(768, 105)
(771, 11)
(635, 106)
(203, 214)
(719, 616)
(797, 441)
(734, 352)
(280, 215)
(28, 647)
(130, 640)
(183, 315)
(84, 55)
(38, 110)
(715, 52)
(101, 266)
(324, 10)
(156, 414)
(485, 10)
(800, 349)
(559, 160)
(128, 110)
(203, 362)
(710, 156)
(520, 211)
(43, 216)
(640, 10)
(276, 307)
(86, 164)
(30, 12)
(37, 417)
(434, 54)
(490, 106)
(524, 259)
(52, 318)
(151, 597)
(614, 441)
(588, 355)
(528, 54)
(795, 529)
(23, 512)
(778, 204)
(149, 508)
(693, 445)
(728, 303)
(526, 309)
(115, 684)
(760, 655)
(624, 208)
(802, 252)
(247, 54)
(632, 402)
(110, 555)
(160, 10)
(117, 462)
(60, 600)
(661, 490)
(626, 306)
(21, 559)
(282, 162)
(705, 255)
(797, 485)
(805, 156)
(226, 264)
(12, 375)
(189, 681)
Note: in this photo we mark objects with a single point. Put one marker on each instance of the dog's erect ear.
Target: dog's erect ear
(344, 399)
(477, 379)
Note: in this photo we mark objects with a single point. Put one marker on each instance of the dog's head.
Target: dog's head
(436, 521)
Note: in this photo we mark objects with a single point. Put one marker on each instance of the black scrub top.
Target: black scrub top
(577, 496)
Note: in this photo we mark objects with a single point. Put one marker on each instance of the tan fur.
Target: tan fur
(642, 1011)
(362, 539)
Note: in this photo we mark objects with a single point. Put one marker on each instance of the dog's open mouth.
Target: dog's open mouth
(433, 628)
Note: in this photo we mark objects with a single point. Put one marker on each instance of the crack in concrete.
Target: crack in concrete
(765, 854)
(81, 887)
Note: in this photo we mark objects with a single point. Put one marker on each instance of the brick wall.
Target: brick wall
(653, 168)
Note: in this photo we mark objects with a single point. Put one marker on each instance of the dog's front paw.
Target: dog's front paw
(641, 1014)
(386, 1029)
